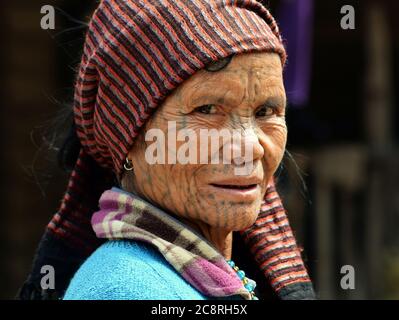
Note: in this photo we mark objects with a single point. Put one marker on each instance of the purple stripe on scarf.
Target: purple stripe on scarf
(210, 280)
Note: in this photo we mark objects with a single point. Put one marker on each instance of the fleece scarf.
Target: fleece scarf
(123, 215)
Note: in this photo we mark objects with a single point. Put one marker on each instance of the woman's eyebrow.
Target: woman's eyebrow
(201, 98)
(275, 102)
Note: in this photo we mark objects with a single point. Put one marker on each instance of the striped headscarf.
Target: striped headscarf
(135, 54)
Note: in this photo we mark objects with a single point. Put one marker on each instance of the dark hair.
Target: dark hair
(219, 65)
(69, 151)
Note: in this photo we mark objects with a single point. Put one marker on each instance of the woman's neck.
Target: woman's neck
(221, 239)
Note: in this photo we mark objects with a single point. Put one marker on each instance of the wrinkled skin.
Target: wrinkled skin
(248, 93)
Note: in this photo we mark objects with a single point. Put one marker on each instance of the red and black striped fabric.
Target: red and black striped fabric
(272, 243)
(135, 54)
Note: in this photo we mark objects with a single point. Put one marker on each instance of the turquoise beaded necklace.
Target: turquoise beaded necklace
(244, 279)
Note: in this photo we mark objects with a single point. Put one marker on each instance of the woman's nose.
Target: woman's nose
(245, 147)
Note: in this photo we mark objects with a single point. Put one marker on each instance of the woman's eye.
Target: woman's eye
(264, 112)
(206, 109)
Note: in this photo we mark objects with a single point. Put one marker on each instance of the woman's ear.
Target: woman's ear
(127, 182)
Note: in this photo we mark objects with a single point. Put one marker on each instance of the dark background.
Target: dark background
(344, 140)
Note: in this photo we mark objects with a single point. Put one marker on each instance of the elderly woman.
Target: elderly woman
(170, 227)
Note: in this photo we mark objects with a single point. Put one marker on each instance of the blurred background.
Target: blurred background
(340, 177)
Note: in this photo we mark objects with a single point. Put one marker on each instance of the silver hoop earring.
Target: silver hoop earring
(128, 165)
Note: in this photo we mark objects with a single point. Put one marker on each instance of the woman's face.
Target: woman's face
(246, 96)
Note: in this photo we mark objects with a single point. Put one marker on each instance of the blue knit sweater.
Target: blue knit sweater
(129, 270)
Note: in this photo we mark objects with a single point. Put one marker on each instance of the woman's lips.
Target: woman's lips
(237, 192)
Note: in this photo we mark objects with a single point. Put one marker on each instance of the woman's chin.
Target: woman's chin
(248, 219)
(237, 218)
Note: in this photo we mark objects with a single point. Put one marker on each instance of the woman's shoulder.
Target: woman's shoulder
(130, 270)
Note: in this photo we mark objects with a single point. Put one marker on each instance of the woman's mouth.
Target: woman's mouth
(240, 192)
(230, 186)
